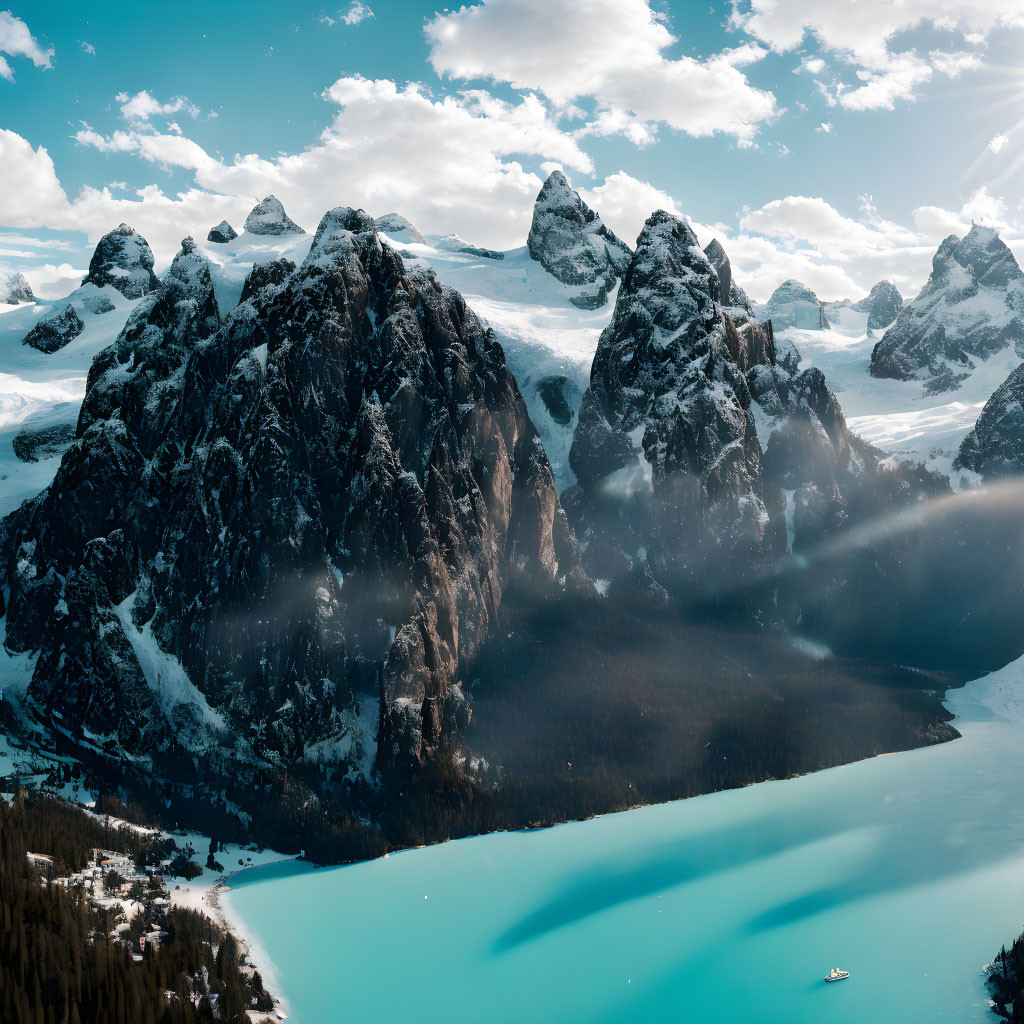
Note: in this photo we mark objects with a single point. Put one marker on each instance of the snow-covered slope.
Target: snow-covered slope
(41, 392)
(899, 416)
(549, 342)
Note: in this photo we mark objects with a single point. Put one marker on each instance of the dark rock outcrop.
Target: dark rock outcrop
(46, 441)
(54, 332)
(322, 497)
(971, 306)
(15, 289)
(123, 260)
(732, 295)
(995, 447)
(267, 217)
(222, 233)
(571, 242)
(882, 304)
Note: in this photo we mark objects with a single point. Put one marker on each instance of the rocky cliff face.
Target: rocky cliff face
(971, 306)
(665, 427)
(793, 304)
(269, 521)
(14, 289)
(267, 217)
(222, 233)
(123, 260)
(882, 305)
(995, 447)
(572, 243)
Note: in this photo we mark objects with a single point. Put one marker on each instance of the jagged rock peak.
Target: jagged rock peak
(793, 304)
(573, 244)
(54, 332)
(732, 295)
(666, 421)
(881, 304)
(222, 233)
(971, 306)
(995, 447)
(14, 288)
(123, 260)
(399, 228)
(326, 494)
(267, 217)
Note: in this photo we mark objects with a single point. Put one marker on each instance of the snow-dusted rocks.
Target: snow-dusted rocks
(267, 217)
(971, 306)
(222, 233)
(666, 426)
(995, 447)
(395, 226)
(317, 502)
(793, 304)
(54, 332)
(572, 243)
(882, 305)
(731, 295)
(15, 289)
(123, 260)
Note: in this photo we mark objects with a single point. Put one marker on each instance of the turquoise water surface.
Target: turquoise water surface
(907, 870)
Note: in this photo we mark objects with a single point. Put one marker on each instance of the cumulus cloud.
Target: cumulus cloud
(607, 50)
(54, 281)
(87, 48)
(356, 13)
(17, 41)
(142, 106)
(625, 202)
(997, 142)
(861, 34)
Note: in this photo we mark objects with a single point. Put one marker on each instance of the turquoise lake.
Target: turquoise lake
(907, 870)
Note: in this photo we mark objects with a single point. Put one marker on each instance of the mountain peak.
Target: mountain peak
(399, 228)
(971, 306)
(793, 304)
(572, 243)
(123, 260)
(267, 217)
(222, 233)
(14, 288)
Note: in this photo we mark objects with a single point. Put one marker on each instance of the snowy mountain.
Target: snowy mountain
(267, 217)
(123, 260)
(882, 305)
(971, 307)
(266, 523)
(571, 242)
(14, 289)
(222, 233)
(793, 304)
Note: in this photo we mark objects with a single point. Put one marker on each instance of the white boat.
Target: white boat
(836, 975)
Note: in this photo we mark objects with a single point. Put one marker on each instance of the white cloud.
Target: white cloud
(87, 48)
(142, 106)
(54, 282)
(861, 34)
(825, 128)
(625, 202)
(17, 41)
(997, 142)
(356, 13)
(609, 50)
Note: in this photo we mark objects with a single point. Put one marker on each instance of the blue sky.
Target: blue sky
(836, 143)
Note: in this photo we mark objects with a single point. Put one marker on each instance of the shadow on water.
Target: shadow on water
(932, 831)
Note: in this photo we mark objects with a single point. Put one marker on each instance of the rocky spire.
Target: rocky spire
(881, 305)
(14, 288)
(267, 217)
(572, 243)
(123, 260)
